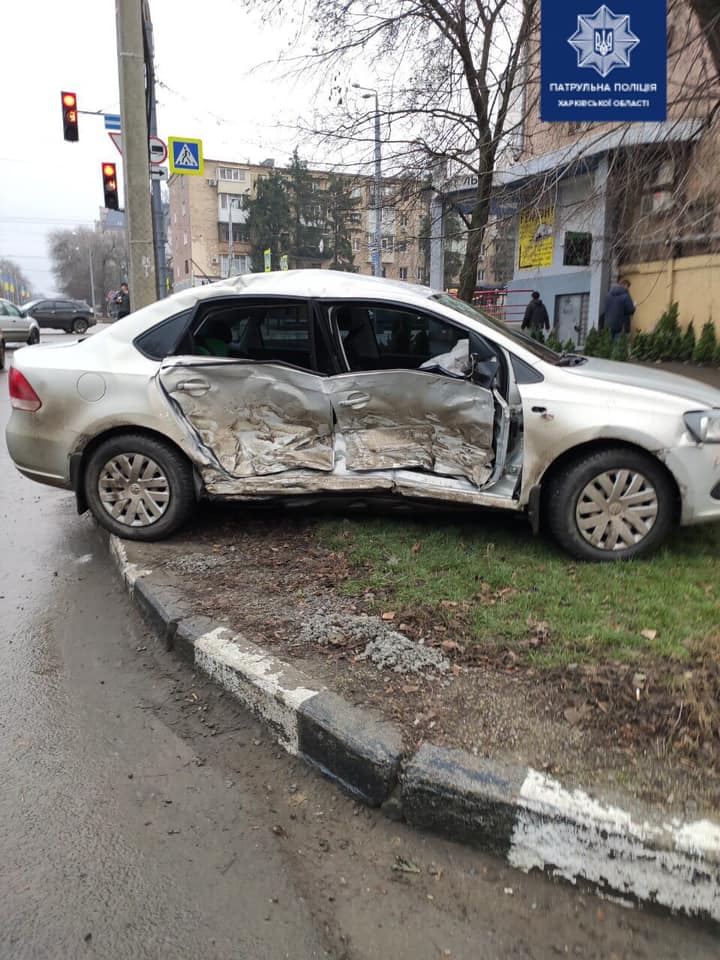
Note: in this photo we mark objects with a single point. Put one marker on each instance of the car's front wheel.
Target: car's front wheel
(80, 325)
(138, 487)
(34, 336)
(612, 504)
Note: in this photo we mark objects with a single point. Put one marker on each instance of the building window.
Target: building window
(187, 267)
(420, 276)
(240, 233)
(356, 244)
(401, 246)
(578, 249)
(403, 273)
(388, 244)
(230, 173)
(404, 220)
(239, 265)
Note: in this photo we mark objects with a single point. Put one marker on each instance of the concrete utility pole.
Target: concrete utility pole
(136, 161)
(158, 217)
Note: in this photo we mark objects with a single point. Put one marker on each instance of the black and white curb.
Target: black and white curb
(518, 813)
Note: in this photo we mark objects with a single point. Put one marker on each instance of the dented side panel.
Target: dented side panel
(257, 419)
(409, 419)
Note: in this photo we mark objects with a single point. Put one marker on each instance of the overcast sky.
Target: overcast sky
(209, 57)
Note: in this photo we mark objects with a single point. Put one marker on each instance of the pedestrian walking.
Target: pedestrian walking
(122, 299)
(619, 308)
(536, 317)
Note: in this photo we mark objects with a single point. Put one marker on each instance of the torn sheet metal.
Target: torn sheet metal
(403, 420)
(256, 421)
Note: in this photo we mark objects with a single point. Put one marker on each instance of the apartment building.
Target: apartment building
(208, 232)
(582, 203)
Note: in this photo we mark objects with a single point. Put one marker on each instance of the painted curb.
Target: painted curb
(518, 813)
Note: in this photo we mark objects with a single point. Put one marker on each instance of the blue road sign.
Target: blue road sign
(112, 121)
(186, 156)
(600, 64)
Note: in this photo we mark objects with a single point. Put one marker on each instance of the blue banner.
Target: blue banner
(601, 63)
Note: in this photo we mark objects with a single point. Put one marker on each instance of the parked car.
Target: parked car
(72, 316)
(272, 386)
(15, 327)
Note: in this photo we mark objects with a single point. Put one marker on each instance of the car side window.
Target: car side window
(269, 333)
(392, 338)
(12, 310)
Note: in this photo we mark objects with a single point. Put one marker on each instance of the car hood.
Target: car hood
(645, 378)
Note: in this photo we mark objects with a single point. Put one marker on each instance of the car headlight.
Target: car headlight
(704, 425)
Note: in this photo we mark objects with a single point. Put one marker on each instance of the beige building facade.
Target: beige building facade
(583, 204)
(208, 233)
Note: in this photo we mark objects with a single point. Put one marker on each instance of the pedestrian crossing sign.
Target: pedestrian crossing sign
(186, 156)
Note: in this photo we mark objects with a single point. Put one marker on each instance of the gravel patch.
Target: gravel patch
(384, 647)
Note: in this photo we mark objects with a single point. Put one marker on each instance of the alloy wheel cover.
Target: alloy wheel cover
(617, 509)
(134, 490)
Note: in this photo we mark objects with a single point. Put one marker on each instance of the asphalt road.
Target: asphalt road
(143, 815)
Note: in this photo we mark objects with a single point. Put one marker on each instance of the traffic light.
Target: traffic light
(110, 187)
(70, 116)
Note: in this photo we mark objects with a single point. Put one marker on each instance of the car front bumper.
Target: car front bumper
(696, 468)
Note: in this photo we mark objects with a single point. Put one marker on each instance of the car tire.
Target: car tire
(34, 337)
(609, 505)
(139, 487)
(80, 325)
(2, 354)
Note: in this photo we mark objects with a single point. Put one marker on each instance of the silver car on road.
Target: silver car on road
(304, 383)
(15, 326)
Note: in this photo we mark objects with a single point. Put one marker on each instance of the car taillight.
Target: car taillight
(22, 395)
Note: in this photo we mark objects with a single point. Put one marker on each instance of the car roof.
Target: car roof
(319, 284)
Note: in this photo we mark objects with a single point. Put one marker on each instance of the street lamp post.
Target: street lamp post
(377, 260)
(92, 273)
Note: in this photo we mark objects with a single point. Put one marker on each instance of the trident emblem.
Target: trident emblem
(604, 42)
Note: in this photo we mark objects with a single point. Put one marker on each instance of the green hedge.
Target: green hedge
(667, 341)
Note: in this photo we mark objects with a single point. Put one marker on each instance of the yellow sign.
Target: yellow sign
(186, 156)
(284, 262)
(267, 257)
(537, 230)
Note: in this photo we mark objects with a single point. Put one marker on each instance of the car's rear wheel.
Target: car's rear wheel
(612, 504)
(34, 336)
(80, 325)
(138, 487)
(2, 354)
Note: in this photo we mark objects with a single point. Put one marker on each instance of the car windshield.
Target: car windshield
(459, 306)
(30, 303)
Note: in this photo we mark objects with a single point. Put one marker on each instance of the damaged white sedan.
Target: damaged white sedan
(304, 383)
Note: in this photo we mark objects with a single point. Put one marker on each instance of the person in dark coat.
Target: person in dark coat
(619, 307)
(536, 316)
(122, 299)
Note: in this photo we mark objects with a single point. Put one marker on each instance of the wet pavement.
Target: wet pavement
(143, 815)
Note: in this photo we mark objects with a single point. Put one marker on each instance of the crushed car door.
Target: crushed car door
(409, 402)
(242, 397)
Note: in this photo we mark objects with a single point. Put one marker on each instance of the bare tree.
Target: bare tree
(450, 77)
(71, 252)
(14, 285)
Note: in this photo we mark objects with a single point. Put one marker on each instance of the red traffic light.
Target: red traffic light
(110, 188)
(70, 116)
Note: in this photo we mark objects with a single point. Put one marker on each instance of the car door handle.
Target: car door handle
(354, 400)
(191, 386)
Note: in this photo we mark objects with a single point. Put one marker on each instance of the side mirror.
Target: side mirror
(484, 362)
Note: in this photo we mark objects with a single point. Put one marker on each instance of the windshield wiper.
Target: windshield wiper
(571, 360)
